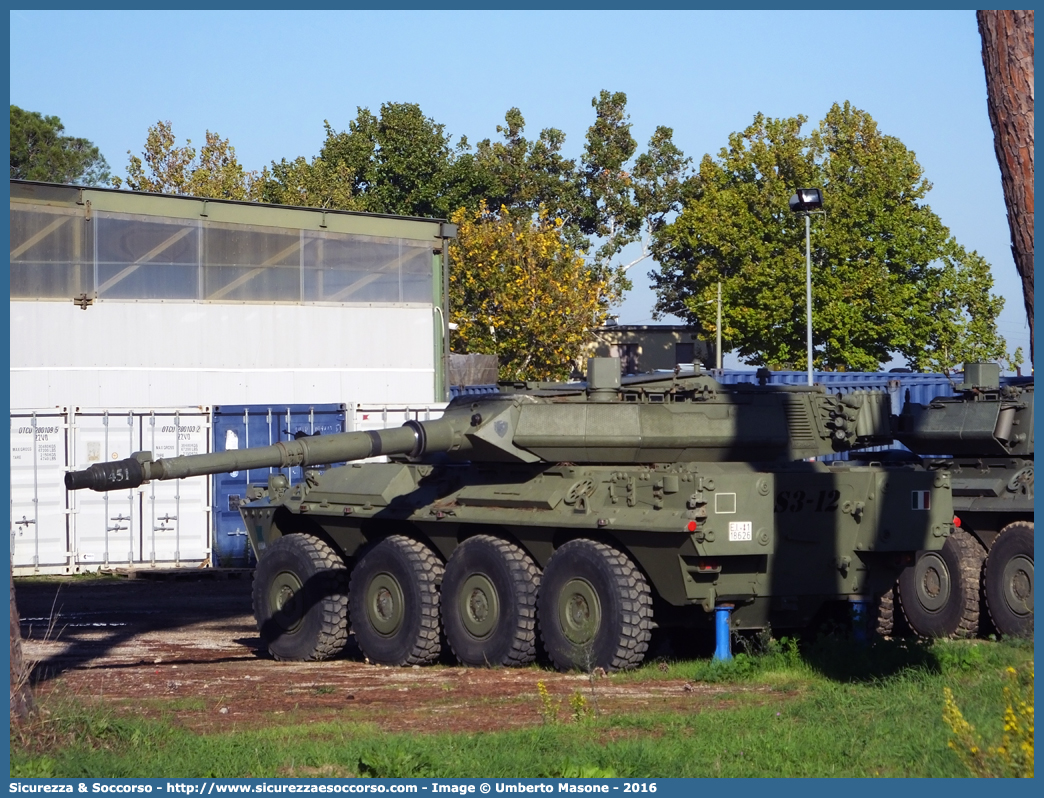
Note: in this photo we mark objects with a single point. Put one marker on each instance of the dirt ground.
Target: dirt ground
(188, 648)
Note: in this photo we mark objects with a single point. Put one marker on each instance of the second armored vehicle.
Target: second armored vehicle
(982, 436)
(581, 515)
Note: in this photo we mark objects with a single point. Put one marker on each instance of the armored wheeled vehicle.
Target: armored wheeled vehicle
(580, 515)
(982, 436)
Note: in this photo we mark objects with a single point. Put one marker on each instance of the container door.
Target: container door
(175, 521)
(236, 427)
(105, 526)
(39, 520)
(247, 426)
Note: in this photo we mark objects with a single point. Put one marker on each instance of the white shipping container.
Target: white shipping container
(39, 521)
(159, 522)
(176, 513)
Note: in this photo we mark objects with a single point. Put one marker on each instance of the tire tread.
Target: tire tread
(525, 576)
(970, 559)
(635, 601)
(427, 569)
(1006, 627)
(332, 573)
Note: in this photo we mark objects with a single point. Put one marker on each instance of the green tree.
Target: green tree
(888, 278)
(614, 198)
(523, 175)
(39, 151)
(400, 162)
(625, 199)
(214, 172)
(518, 290)
(310, 184)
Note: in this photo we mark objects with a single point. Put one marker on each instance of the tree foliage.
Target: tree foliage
(523, 175)
(214, 172)
(888, 278)
(400, 162)
(39, 151)
(518, 290)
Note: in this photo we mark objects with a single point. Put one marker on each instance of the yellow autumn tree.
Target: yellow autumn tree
(214, 172)
(520, 292)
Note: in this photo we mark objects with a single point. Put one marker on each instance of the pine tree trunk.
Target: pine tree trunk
(21, 694)
(1007, 55)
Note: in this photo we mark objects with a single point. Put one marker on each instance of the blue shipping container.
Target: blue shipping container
(245, 426)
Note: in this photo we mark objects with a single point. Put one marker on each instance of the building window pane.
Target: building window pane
(353, 268)
(51, 253)
(142, 257)
(628, 354)
(416, 272)
(251, 264)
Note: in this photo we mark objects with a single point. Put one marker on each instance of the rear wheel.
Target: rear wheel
(889, 620)
(300, 599)
(941, 592)
(1009, 580)
(594, 608)
(394, 604)
(489, 603)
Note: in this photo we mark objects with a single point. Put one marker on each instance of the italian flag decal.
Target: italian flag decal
(921, 499)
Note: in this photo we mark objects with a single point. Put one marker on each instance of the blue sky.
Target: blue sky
(267, 80)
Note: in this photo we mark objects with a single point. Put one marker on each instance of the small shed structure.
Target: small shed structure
(648, 347)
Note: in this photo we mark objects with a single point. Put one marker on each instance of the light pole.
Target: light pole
(719, 326)
(807, 201)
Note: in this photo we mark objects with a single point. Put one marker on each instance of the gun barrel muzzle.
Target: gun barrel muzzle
(107, 476)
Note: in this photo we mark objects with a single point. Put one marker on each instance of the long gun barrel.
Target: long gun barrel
(413, 438)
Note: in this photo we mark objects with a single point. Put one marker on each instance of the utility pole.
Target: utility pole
(719, 325)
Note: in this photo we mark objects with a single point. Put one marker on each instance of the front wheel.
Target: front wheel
(300, 599)
(1009, 580)
(594, 608)
(941, 592)
(394, 603)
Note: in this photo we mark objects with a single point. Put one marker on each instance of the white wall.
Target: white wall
(164, 354)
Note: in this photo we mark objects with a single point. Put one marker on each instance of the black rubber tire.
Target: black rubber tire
(580, 575)
(489, 603)
(1009, 580)
(300, 599)
(941, 593)
(888, 619)
(394, 602)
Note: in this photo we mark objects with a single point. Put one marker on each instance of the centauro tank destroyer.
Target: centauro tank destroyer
(580, 514)
(983, 437)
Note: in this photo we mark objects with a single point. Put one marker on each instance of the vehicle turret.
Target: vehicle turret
(982, 418)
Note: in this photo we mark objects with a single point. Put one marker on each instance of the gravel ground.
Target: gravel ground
(188, 648)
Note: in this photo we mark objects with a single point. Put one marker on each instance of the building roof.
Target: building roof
(233, 211)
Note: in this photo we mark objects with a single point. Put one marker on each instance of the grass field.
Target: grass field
(830, 707)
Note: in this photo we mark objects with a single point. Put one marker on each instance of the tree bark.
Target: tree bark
(21, 694)
(1007, 55)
